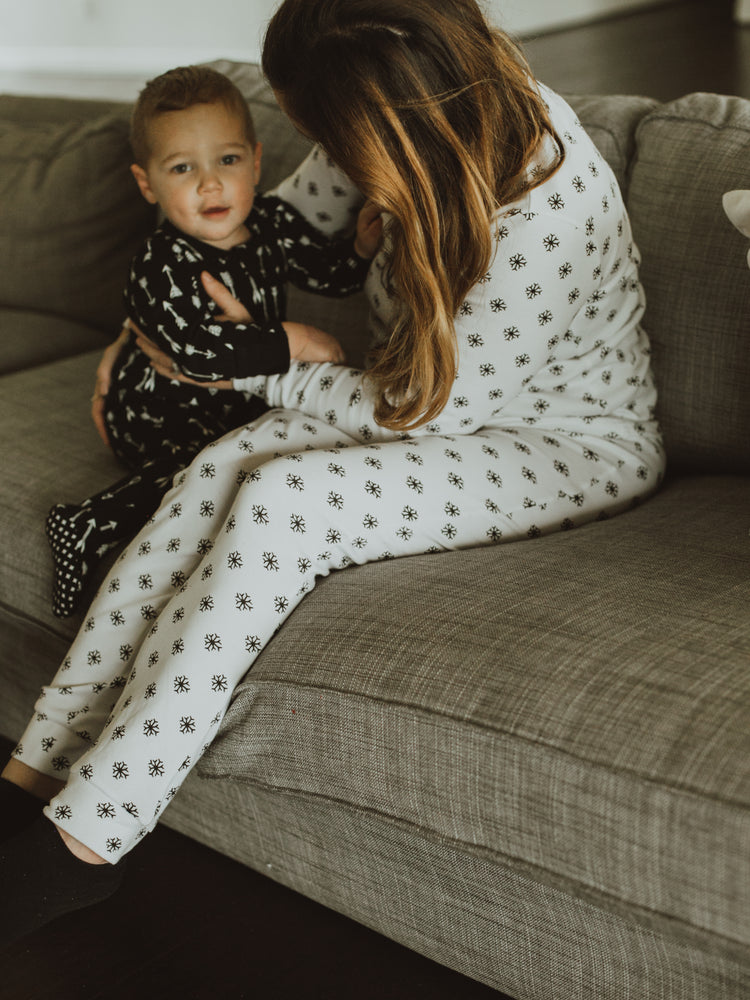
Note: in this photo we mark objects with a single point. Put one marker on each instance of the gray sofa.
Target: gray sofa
(530, 762)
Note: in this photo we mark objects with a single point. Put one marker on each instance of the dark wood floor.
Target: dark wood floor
(194, 925)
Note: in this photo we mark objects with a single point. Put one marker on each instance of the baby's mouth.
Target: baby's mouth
(215, 212)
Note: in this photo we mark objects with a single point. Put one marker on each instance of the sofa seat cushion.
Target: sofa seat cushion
(30, 338)
(576, 705)
(56, 457)
(695, 274)
(72, 216)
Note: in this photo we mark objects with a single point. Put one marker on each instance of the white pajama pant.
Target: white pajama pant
(233, 549)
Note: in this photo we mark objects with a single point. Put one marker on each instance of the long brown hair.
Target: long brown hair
(435, 117)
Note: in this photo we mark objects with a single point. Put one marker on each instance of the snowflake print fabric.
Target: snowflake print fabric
(549, 425)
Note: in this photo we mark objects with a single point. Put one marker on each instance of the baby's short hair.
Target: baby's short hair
(180, 89)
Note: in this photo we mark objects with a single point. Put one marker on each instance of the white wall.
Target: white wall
(141, 37)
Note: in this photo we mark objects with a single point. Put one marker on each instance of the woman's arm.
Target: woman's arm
(103, 381)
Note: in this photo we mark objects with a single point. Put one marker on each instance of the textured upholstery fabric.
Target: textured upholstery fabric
(68, 214)
(30, 338)
(695, 274)
(543, 709)
(503, 924)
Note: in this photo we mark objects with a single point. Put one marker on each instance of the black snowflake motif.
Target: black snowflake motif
(234, 560)
(63, 812)
(252, 643)
(94, 658)
(497, 305)
(204, 546)
(335, 500)
(120, 770)
(187, 724)
(271, 561)
(243, 602)
(61, 763)
(414, 484)
(86, 771)
(206, 603)
(181, 684)
(156, 768)
(475, 340)
(545, 317)
(260, 514)
(449, 530)
(208, 470)
(494, 478)
(178, 615)
(280, 604)
(219, 682)
(150, 691)
(126, 651)
(455, 480)
(533, 290)
(517, 261)
(114, 586)
(297, 524)
(465, 309)
(151, 727)
(148, 612)
(207, 508)
(412, 456)
(374, 489)
(333, 537)
(105, 810)
(212, 642)
(375, 463)
(369, 522)
(451, 509)
(295, 482)
(304, 565)
(153, 658)
(522, 360)
(175, 510)
(551, 242)
(511, 333)
(460, 402)
(113, 844)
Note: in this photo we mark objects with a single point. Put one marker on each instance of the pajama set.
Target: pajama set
(157, 426)
(549, 424)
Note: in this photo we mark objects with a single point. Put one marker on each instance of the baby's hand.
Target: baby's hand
(308, 343)
(369, 231)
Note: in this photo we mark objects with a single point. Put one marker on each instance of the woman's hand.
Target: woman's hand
(103, 381)
(308, 343)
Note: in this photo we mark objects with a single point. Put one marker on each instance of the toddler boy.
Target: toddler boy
(197, 157)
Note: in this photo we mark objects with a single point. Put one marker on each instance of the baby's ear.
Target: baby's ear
(141, 179)
(737, 206)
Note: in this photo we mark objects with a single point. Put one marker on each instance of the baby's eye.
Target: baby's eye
(180, 168)
(229, 159)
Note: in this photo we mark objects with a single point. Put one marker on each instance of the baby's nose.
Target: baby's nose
(209, 181)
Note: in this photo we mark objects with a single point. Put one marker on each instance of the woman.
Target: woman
(510, 394)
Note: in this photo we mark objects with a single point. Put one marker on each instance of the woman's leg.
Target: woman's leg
(257, 550)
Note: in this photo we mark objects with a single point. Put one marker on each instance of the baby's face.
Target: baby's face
(202, 171)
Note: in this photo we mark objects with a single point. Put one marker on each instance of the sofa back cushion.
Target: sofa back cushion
(72, 214)
(688, 153)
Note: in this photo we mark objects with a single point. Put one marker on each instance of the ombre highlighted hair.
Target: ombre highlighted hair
(435, 117)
